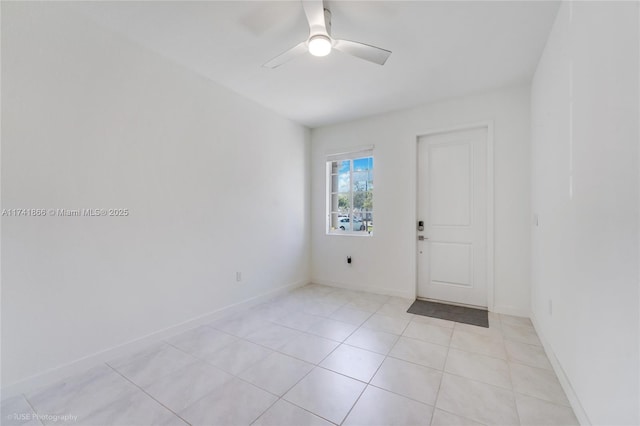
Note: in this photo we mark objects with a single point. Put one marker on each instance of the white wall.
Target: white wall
(215, 184)
(585, 249)
(386, 262)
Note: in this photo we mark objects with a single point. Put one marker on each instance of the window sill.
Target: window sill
(349, 234)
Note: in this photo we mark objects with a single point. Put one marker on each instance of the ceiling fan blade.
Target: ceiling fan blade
(287, 56)
(363, 51)
(314, 9)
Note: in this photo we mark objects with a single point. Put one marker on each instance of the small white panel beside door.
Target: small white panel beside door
(452, 203)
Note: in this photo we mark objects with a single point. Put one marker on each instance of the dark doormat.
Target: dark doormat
(461, 314)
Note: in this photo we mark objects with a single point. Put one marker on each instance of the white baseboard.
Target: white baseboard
(377, 290)
(511, 310)
(578, 410)
(77, 366)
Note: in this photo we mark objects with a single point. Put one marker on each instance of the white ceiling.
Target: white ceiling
(441, 49)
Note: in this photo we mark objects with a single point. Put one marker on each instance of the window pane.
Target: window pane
(343, 222)
(358, 224)
(344, 182)
(362, 181)
(362, 222)
(340, 203)
(362, 201)
(363, 164)
(344, 166)
(367, 220)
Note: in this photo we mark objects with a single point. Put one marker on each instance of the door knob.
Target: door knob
(422, 238)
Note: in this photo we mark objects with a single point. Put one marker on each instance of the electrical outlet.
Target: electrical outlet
(238, 276)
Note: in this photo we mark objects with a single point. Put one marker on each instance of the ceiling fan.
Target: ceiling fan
(320, 42)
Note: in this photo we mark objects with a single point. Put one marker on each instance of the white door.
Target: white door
(452, 203)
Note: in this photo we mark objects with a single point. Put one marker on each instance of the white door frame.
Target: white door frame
(490, 184)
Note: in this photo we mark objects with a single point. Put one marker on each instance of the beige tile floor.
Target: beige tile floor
(317, 356)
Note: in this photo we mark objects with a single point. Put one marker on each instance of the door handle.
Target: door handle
(422, 238)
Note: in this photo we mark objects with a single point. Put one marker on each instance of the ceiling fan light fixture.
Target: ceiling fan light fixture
(320, 42)
(320, 45)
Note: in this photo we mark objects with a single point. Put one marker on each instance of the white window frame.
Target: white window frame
(352, 155)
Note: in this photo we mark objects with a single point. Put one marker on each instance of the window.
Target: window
(350, 193)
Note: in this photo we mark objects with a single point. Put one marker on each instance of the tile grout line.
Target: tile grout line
(386, 356)
(304, 376)
(459, 375)
(237, 376)
(476, 381)
(281, 353)
(147, 393)
(334, 372)
(369, 382)
(296, 405)
(353, 405)
(372, 376)
(503, 341)
(463, 417)
(32, 407)
(513, 389)
(265, 410)
(425, 341)
(234, 376)
(401, 395)
(444, 366)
